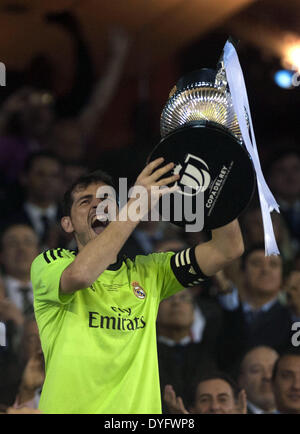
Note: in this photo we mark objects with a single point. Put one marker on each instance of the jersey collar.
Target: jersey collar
(115, 266)
(118, 264)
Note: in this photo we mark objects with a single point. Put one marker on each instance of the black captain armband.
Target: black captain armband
(186, 269)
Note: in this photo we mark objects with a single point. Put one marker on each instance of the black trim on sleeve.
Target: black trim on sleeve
(52, 255)
(49, 255)
(186, 269)
(46, 257)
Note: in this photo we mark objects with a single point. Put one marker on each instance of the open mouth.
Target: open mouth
(99, 225)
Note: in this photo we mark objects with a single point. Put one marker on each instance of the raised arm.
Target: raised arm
(225, 246)
(107, 83)
(96, 256)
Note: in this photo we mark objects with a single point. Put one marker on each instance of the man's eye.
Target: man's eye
(84, 201)
(255, 371)
(203, 400)
(223, 400)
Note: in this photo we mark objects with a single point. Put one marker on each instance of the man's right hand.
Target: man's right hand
(151, 186)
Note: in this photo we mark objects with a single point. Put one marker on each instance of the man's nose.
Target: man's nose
(265, 265)
(96, 202)
(215, 406)
(267, 375)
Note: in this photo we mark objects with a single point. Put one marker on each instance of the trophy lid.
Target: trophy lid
(204, 75)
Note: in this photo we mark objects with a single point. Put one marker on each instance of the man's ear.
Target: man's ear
(67, 225)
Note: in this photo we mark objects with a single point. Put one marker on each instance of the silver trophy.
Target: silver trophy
(201, 135)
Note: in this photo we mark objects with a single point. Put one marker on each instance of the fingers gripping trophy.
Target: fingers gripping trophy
(206, 130)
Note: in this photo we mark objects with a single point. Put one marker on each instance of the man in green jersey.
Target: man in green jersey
(96, 312)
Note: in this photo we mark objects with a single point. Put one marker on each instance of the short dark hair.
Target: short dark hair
(291, 351)
(248, 350)
(33, 156)
(5, 227)
(214, 375)
(249, 250)
(83, 182)
(279, 154)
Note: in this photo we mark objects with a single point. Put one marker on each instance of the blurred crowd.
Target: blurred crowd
(230, 345)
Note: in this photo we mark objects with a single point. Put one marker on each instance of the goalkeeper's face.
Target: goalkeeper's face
(90, 214)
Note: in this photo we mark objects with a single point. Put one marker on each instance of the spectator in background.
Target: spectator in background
(213, 393)
(44, 179)
(256, 317)
(253, 232)
(42, 182)
(286, 382)
(31, 383)
(30, 344)
(32, 367)
(30, 113)
(180, 359)
(173, 242)
(72, 134)
(21, 386)
(284, 180)
(26, 119)
(73, 170)
(22, 410)
(255, 377)
(30, 118)
(19, 247)
(207, 312)
(292, 290)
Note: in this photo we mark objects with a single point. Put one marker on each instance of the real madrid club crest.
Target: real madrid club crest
(138, 291)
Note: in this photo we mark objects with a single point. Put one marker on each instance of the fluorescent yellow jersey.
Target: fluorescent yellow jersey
(99, 343)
